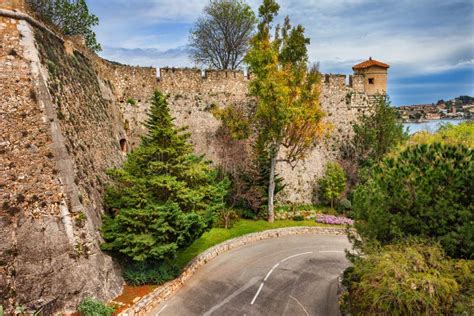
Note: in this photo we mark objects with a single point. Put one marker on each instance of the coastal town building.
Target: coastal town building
(442, 110)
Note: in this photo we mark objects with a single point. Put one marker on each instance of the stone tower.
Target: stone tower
(375, 75)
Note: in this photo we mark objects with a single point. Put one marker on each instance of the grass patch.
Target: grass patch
(242, 227)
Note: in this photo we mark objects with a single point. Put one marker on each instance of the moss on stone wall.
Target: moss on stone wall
(56, 220)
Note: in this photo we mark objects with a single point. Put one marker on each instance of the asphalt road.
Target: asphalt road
(295, 275)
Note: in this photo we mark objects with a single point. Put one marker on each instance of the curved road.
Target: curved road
(294, 275)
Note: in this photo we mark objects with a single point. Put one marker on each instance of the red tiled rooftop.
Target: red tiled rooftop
(369, 63)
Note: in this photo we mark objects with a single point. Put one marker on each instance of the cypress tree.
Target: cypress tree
(164, 197)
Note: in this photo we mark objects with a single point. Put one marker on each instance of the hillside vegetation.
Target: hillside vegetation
(461, 134)
(421, 192)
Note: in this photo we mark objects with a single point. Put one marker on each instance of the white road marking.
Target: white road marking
(162, 309)
(270, 272)
(256, 294)
(299, 254)
(273, 268)
(250, 283)
(301, 305)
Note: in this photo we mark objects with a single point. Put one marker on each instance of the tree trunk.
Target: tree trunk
(271, 189)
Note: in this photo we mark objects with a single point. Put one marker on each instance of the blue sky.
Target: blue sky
(428, 43)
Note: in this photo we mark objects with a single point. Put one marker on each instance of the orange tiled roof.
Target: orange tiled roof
(369, 63)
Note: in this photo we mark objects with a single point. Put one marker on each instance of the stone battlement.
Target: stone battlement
(167, 77)
(356, 82)
(206, 74)
(197, 79)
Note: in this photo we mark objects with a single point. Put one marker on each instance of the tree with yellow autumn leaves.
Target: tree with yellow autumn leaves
(287, 119)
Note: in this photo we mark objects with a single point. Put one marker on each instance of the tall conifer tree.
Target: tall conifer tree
(164, 197)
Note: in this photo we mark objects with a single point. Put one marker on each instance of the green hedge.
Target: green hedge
(427, 191)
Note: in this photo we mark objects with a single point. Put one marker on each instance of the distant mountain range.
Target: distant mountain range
(151, 57)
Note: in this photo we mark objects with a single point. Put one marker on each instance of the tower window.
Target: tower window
(371, 80)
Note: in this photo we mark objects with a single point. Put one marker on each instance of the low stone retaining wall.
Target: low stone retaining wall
(152, 300)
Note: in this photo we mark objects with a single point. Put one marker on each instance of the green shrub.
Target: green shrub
(344, 205)
(249, 213)
(139, 273)
(298, 218)
(92, 307)
(330, 211)
(464, 272)
(227, 217)
(132, 101)
(412, 278)
(333, 183)
(427, 190)
(377, 132)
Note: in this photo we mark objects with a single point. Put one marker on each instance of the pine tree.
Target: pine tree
(164, 197)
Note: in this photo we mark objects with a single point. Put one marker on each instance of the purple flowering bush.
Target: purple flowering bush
(333, 220)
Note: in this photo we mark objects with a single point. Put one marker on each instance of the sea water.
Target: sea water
(429, 126)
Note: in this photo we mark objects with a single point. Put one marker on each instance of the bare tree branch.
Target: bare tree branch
(220, 38)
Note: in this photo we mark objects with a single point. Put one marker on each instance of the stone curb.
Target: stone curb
(150, 301)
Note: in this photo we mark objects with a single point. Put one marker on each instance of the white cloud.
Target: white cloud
(148, 11)
(171, 10)
(415, 37)
(407, 55)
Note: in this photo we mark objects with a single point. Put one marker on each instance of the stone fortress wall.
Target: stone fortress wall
(193, 93)
(59, 132)
(65, 118)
